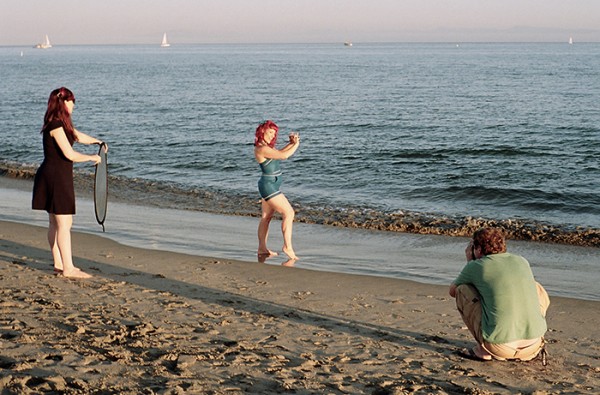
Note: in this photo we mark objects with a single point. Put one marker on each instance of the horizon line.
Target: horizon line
(311, 42)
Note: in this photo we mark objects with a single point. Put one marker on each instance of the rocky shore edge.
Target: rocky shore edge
(145, 192)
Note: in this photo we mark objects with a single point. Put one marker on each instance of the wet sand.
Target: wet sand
(165, 195)
(163, 322)
(565, 270)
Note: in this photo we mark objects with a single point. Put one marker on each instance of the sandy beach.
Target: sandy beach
(156, 322)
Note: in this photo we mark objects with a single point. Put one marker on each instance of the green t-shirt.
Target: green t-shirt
(509, 299)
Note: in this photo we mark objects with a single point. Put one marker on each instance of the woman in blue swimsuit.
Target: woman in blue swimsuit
(273, 200)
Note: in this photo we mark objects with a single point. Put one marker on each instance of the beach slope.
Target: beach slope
(161, 322)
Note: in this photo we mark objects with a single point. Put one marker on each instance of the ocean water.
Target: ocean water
(500, 131)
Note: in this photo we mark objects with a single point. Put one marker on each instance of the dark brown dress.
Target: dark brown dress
(53, 185)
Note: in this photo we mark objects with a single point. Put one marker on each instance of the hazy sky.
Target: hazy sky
(25, 22)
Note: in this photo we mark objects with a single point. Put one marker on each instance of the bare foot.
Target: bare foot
(481, 353)
(289, 263)
(290, 253)
(263, 256)
(76, 273)
(57, 270)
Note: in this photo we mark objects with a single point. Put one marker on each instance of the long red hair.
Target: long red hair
(260, 133)
(57, 110)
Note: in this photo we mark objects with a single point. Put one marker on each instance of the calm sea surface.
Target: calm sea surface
(502, 131)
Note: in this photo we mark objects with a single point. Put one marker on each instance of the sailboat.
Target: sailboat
(46, 44)
(164, 42)
(570, 40)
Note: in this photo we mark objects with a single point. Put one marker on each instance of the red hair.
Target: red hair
(260, 133)
(490, 240)
(57, 110)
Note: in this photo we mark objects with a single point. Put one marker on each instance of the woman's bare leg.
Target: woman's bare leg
(263, 230)
(52, 235)
(63, 242)
(280, 204)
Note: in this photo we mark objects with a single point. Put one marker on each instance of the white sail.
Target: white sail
(570, 40)
(164, 42)
(45, 44)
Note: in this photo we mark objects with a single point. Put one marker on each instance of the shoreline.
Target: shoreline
(159, 320)
(564, 270)
(144, 192)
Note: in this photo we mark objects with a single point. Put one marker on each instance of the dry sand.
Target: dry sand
(159, 322)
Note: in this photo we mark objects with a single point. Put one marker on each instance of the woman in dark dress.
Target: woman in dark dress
(53, 189)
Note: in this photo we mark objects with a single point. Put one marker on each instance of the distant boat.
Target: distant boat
(348, 43)
(164, 42)
(46, 44)
(570, 40)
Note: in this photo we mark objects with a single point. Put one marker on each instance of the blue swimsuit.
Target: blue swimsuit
(270, 181)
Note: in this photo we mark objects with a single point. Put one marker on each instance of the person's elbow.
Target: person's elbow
(72, 156)
(283, 155)
(288, 154)
(452, 290)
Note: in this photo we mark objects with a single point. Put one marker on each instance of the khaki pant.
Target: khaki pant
(469, 307)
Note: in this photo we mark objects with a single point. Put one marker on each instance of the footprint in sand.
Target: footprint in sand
(301, 295)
